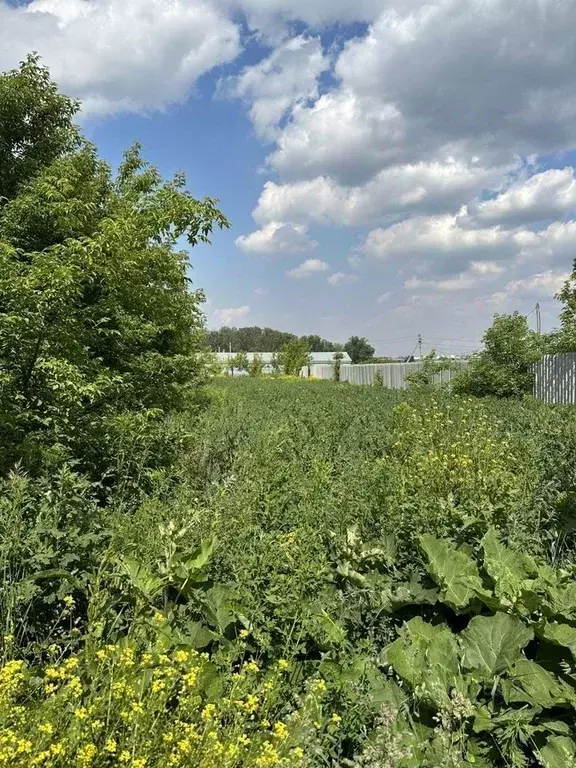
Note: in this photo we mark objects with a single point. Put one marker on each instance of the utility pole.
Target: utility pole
(420, 346)
(538, 318)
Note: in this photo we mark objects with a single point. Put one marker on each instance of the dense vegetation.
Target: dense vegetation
(255, 339)
(253, 573)
(306, 526)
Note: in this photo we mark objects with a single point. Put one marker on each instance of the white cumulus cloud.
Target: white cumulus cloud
(547, 195)
(231, 315)
(276, 237)
(307, 268)
(341, 278)
(120, 55)
(286, 78)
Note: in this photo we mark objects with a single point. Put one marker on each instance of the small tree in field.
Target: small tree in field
(240, 362)
(294, 356)
(338, 355)
(503, 367)
(256, 366)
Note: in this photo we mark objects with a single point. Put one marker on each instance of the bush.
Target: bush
(96, 316)
(504, 367)
(488, 678)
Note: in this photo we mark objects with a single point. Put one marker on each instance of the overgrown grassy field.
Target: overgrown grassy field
(328, 576)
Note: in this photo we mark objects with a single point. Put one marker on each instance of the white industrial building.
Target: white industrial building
(317, 358)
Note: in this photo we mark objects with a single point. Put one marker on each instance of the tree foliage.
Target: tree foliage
(359, 349)
(97, 320)
(503, 367)
(255, 339)
(36, 125)
(294, 356)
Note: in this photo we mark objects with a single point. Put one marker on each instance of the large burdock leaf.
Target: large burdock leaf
(559, 752)
(561, 634)
(508, 568)
(426, 656)
(529, 682)
(491, 644)
(454, 571)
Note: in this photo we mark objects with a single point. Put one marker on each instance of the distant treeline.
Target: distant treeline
(255, 339)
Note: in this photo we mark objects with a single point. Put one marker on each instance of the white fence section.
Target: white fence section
(555, 379)
(393, 374)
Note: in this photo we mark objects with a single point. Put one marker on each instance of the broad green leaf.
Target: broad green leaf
(562, 600)
(454, 571)
(531, 683)
(508, 568)
(491, 644)
(144, 581)
(561, 634)
(556, 726)
(199, 557)
(426, 656)
(559, 752)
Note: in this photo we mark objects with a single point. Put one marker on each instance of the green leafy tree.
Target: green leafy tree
(294, 356)
(98, 325)
(36, 125)
(338, 355)
(359, 349)
(256, 366)
(255, 339)
(504, 367)
(564, 338)
(240, 362)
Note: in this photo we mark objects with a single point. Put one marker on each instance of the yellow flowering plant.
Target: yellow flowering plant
(120, 706)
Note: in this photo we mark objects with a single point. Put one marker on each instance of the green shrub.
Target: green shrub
(96, 316)
(504, 367)
(488, 679)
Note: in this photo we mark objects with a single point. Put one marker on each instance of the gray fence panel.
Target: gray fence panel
(555, 379)
(393, 374)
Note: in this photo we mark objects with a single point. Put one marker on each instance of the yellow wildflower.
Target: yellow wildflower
(280, 731)
(85, 754)
(252, 666)
(208, 712)
(244, 633)
(283, 664)
(46, 728)
(251, 703)
(110, 746)
(75, 686)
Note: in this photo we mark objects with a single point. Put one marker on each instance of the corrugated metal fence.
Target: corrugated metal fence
(393, 374)
(555, 380)
(555, 376)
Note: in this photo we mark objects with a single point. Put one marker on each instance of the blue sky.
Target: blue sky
(389, 167)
